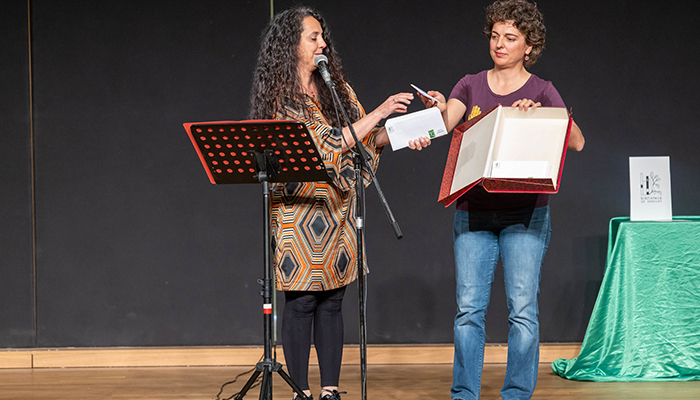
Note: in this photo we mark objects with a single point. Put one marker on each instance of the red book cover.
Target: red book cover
(445, 196)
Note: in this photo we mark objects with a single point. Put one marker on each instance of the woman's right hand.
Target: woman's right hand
(428, 102)
(397, 103)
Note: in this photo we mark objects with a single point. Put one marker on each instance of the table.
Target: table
(645, 325)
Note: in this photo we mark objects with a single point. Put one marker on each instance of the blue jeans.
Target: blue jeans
(521, 238)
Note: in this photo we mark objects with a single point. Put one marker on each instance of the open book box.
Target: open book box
(507, 151)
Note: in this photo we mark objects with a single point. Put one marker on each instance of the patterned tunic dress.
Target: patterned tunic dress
(313, 223)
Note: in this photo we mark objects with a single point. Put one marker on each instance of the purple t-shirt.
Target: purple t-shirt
(474, 92)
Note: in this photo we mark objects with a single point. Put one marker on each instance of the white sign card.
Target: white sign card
(520, 169)
(411, 126)
(650, 189)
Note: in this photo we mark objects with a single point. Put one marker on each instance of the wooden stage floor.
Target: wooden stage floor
(384, 382)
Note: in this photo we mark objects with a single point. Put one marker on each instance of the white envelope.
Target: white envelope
(411, 126)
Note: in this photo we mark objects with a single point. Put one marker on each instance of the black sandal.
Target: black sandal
(335, 395)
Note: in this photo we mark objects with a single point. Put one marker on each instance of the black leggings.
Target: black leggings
(323, 310)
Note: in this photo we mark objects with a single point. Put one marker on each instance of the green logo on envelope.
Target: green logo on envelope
(431, 133)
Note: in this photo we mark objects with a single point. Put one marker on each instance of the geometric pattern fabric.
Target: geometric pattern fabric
(313, 223)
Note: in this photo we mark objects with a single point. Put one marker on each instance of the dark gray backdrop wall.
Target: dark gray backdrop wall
(135, 247)
(16, 283)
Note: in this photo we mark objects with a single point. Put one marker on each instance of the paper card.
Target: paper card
(650, 189)
(411, 126)
(520, 169)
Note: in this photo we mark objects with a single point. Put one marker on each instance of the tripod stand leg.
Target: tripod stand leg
(293, 385)
(266, 386)
(248, 385)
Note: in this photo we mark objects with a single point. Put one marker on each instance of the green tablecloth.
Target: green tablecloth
(645, 324)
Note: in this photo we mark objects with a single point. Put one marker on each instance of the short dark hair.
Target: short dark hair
(526, 18)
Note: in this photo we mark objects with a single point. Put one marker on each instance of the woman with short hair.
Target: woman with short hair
(516, 227)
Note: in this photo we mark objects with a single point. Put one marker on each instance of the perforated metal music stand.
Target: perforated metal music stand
(228, 151)
(259, 151)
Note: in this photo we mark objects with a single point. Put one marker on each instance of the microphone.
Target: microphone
(321, 62)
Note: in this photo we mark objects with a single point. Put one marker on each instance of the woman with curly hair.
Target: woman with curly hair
(515, 227)
(313, 223)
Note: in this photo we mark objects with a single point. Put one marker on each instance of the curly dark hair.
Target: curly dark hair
(527, 19)
(276, 83)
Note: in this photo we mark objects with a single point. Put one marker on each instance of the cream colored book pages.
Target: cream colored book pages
(474, 152)
(532, 136)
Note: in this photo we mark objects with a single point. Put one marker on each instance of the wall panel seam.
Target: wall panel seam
(32, 172)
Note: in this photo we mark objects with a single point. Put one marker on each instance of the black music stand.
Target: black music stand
(259, 151)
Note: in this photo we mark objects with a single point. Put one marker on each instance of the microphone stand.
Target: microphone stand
(362, 161)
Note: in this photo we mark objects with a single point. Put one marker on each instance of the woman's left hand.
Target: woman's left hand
(420, 143)
(526, 104)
